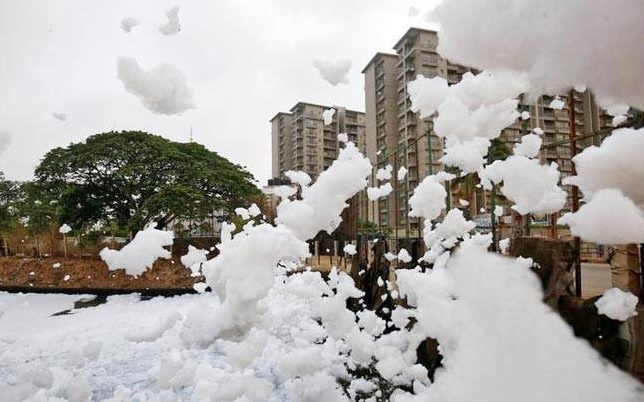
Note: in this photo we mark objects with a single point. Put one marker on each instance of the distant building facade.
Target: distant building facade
(390, 133)
(281, 144)
(381, 108)
(301, 141)
(397, 136)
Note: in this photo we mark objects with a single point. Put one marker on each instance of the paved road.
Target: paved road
(595, 278)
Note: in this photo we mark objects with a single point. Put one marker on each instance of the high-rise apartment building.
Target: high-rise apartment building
(301, 140)
(589, 122)
(381, 109)
(419, 147)
(281, 143)
(397, 136)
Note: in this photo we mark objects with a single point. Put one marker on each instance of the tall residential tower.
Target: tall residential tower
(399, 137)
(396, 134)
(301, 140)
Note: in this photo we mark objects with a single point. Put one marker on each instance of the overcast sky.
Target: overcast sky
(246, 60)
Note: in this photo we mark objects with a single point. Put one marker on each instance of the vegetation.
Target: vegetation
(498, 151)
(132, 178)
(116, 183)
(368, 228)
(8, 197)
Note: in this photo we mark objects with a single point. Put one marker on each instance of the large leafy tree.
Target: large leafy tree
(36, 211)
(9, 194)
(133, 177)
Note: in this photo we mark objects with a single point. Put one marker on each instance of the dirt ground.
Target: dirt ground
(90, 273)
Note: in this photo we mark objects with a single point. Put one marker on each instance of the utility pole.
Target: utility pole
(527, 221)
(574, 190)
(65, 244)
(396, 214)
(641, 274)
(493, 219)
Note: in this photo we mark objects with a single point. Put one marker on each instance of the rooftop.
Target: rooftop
(279, 114)
(298, 104)
(413, 31)
(376, 56)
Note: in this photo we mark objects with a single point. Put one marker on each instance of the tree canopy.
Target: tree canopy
(133, 177)
(9, 191)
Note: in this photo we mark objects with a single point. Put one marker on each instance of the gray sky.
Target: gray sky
(245, 60)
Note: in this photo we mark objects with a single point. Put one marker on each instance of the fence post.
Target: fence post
(317, 251)
(65, 244)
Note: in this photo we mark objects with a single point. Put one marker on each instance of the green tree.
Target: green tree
(37, 211)
(368, 228)
(498, 151)
(133, 177)
(8, 198)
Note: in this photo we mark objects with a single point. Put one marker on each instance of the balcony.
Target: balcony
(330, 146)
(429, 60)
(329, 136)
(550, 153)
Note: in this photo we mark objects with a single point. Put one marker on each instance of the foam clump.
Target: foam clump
(383, 174)
(617, 304)
(476, 34)
(139, 255)
(298, 177)
(608, 218)
(428, 200)
(470, 113)
(529, 146)
(616, 163)
(460, 306)
(374, 193)
(531, 186)
(327, 116)
(163, 89)
(350, 249)
(333, 72)
(172, 26)
(323, 202)
(194, 257)
(128, 23)
(402, 173)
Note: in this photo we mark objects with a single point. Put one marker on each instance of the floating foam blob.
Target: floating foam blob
(173, 26)
(139, 255)
(334, 72)
(163, 89)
